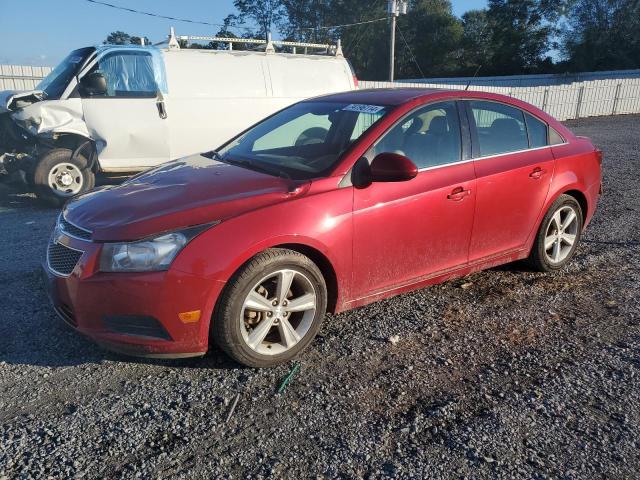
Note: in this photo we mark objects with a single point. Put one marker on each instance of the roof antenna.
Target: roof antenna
(473, 78)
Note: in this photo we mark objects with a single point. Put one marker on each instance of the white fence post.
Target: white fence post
(545, 99)
(579, 103)
(615, 99)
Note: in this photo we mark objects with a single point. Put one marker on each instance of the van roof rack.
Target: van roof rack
(269, 44)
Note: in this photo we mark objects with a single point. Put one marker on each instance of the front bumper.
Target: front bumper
(133, 313)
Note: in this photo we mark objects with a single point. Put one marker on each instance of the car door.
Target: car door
(129, 122)
(514, 167)
(411, 230)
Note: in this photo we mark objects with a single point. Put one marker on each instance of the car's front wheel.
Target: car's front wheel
(57, 176)
(558, 236)
(271, 309)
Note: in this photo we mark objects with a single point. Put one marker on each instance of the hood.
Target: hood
(192, 191)
(11, 100)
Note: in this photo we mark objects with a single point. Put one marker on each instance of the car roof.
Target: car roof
(381, 96)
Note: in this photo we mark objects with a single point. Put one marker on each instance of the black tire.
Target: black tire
(538, 259)
(227, 327)
(47, 163)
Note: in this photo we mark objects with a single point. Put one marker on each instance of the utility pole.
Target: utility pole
(395, 8)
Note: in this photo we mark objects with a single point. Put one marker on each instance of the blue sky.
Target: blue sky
(42, 32)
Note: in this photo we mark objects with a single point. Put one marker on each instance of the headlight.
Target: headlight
(147, 255)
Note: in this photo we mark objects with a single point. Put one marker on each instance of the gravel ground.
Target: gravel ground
(506, 373)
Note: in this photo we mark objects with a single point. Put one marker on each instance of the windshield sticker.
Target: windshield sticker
(357, 107)
(75, 59)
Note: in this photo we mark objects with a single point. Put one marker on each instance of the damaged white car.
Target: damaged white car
(127, 108)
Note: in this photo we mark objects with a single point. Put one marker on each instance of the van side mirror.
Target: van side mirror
(392, 167)
(93, 84)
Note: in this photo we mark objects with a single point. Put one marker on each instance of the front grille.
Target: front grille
(61, 259)
(136, 325)
(72, 230)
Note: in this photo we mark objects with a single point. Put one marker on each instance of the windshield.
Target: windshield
(54, 84)
(303, 141)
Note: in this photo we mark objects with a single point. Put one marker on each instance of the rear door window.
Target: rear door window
(500, 128)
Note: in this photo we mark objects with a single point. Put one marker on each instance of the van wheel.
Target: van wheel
(558, 236)
(271, 309)
(57, 177)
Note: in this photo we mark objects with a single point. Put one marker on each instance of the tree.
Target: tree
(303, 19)
(476, 41)
(138, 40)
(118, 38)
(364, 45)
(265, 14)
(121, 38)
(433, 37)
(520, 35)
(602, 35)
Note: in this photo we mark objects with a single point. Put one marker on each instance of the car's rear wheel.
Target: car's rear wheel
(271, 309)
(558, 236)
(57, 176)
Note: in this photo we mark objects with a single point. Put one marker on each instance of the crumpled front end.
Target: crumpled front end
(17, 146)
(45, 119)
(30, 126)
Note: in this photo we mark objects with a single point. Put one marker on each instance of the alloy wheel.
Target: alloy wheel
(561, 234)
(278, 312)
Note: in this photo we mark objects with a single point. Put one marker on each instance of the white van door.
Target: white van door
(129, 122)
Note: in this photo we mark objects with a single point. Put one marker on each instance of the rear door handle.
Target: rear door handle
(537, 173)
(458, 194)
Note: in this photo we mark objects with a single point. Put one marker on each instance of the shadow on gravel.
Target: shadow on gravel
(30, 332)
(14, 194)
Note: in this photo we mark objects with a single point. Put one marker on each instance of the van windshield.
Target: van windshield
(303, 141)
(54, 84)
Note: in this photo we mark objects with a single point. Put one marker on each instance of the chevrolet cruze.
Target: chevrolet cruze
(328, 205)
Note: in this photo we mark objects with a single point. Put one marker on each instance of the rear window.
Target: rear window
(538, 135)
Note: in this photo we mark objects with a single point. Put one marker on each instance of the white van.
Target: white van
(127, 108)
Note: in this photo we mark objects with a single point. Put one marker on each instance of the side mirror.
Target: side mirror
(392, 167)
(93, 84)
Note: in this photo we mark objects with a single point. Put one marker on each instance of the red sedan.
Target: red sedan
(330, 204)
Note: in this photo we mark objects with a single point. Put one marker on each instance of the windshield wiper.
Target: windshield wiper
(251, 165)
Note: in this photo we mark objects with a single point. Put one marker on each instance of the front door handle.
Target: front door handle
(458, 194)
(162, 111)
(537, 173)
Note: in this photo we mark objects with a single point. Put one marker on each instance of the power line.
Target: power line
(166, 17)
(200, 22)
(411, 52)
(341, 26)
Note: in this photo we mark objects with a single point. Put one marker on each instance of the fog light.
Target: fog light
(189, 317)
